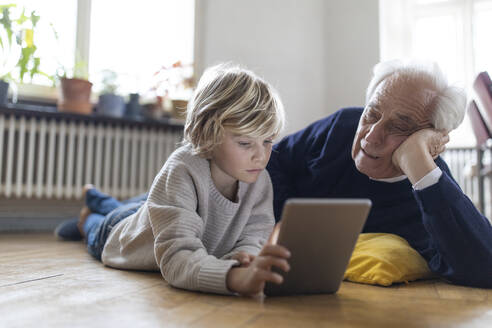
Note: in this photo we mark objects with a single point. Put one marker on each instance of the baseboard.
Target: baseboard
(35, 215)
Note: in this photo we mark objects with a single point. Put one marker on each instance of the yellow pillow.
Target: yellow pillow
(384, 259)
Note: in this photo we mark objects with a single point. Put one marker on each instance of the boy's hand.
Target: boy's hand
(251, 280)
(243, 258)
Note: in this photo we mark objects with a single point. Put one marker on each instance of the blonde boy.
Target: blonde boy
(209, 211)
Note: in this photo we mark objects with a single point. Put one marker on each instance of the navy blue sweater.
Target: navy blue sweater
(440, 222)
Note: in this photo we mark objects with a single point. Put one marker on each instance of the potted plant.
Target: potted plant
(173, 85)
(9, 55)
(110, 103)
(75, 89)
(18, 58)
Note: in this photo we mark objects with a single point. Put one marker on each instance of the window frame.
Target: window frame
(49, 94)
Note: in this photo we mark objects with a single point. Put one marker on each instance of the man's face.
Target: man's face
(396, 110)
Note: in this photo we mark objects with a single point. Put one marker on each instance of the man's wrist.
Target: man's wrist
(429, 179)
(416, 164)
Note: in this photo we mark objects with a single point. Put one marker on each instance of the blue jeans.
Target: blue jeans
(106, 212)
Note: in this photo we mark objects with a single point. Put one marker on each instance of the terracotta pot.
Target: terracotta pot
(75, 96)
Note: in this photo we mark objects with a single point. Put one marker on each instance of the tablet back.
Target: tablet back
(321, 235)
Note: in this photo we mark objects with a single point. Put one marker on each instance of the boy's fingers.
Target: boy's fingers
(266, 275)
(266, 262)
(242, 257)
(275, 250)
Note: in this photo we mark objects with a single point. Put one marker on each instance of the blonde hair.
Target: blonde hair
(449, 102)
(232, 98)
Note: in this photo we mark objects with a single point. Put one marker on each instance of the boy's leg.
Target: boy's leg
(72, 229)
(91, 228)
(98, 227)
(99, 202)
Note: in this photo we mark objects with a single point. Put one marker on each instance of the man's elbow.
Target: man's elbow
(483, 280)
(472, 274)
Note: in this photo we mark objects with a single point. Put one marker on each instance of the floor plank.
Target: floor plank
(50, 283)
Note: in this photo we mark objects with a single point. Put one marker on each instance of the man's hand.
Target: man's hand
(415, 156)
(251, 280)
(243, 258)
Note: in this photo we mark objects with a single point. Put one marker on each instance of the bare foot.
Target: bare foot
(84, 213)
(86, 188)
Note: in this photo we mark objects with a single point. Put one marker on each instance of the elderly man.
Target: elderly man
(388, 152)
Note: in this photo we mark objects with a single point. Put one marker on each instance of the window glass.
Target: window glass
(435, 39)
(136, 39)
(428, 2)
(53, 36)
(482, 29)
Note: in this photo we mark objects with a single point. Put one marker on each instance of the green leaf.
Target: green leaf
(35, 68)
(6, 22)
(34, 18)
(20, 31)
(23, 63)
(22, 18)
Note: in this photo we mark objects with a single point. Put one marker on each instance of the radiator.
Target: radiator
(462, 163)
(50, 157)
(53, 156)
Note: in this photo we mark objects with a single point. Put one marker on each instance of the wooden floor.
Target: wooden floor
(49, 283)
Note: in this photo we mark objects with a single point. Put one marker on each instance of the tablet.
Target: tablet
(320, 235)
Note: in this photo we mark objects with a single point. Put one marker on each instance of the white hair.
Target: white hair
(449, 102)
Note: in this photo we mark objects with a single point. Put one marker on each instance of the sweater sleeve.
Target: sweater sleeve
(260, 224)
(182, 258)
(460, 246)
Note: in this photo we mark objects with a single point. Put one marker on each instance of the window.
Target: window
(454, 33)
(133, 39)
(482, 36)
(54, 35)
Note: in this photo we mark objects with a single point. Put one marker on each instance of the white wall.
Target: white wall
(317, 53)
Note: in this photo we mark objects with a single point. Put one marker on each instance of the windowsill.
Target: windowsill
(41, 101)
(49, 110)
(46, 95)
(37, 93)
(42, 93)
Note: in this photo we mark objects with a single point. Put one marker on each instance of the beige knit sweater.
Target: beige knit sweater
(188, 230)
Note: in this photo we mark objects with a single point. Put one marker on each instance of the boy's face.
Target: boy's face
(239, 158)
